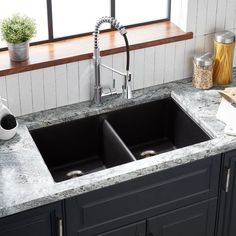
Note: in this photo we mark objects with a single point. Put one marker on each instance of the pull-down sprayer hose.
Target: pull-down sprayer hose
(127, 52)
(118, 26)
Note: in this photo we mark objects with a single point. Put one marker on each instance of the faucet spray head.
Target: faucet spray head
(107, 19)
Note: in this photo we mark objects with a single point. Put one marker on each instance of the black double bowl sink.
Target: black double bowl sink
(87, 145)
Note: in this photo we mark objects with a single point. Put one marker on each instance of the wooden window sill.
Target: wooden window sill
(71, 50)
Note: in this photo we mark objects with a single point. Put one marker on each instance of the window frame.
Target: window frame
(112, 12)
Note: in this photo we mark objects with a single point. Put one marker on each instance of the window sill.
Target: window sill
(77, 49)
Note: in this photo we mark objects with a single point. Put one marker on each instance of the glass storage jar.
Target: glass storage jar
(203, 71)
(224, 53)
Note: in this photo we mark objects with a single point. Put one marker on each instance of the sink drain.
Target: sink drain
(147, 153)
(74, 173)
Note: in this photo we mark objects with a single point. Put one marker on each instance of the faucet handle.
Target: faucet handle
(129, 95)
(127, 91)
(108, 91)
(114, 84)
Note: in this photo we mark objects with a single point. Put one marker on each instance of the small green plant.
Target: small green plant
(17, 29)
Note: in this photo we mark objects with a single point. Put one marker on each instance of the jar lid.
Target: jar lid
(203, 59)
(225, 37)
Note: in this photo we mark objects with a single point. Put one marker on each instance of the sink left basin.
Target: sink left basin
(80, 147)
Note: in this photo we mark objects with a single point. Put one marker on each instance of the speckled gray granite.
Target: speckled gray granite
(25, 181)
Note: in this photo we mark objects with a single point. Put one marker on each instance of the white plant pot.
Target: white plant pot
(4, 133)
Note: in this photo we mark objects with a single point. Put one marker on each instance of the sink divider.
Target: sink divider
(114, 147)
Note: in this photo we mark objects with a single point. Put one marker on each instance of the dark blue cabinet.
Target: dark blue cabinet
(227, 209)
(43, 221)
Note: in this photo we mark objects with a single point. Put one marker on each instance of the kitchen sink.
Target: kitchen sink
(87, 145)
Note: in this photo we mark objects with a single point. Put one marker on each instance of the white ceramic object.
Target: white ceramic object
(6, 134)
(227, 114)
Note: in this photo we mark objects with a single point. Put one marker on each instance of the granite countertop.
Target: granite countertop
(25, 181)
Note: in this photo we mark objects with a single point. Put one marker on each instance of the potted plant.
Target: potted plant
(17, 31)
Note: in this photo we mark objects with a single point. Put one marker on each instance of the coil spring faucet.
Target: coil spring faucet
(98, 89)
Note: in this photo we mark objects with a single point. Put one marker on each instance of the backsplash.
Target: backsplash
(71, 83)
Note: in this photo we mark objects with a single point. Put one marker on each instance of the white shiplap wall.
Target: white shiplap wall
(70, 83)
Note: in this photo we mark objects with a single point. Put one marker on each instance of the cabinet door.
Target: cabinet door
(138, 199)
(194, 220)
(227, 218)
(43, 221)
(137, 229)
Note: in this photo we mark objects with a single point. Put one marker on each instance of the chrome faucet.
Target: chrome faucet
(99, 92)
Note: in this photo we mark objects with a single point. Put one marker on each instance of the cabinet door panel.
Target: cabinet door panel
(137, 229)
(36, 222)
(135, 200)
(194, 220)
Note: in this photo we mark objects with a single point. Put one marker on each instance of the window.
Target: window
(67, 18)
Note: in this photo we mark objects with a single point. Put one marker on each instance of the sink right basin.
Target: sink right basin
(156, 127)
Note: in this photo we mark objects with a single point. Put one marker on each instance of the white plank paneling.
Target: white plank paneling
(179, 60)
(25, 93)
(176, 9)
(119, 63)
(201, 17)
(184, 15)
(188, 59)
(84, 79)
(192, 16)
(37, 90)
(211, 16)
(209, 43)
(13, 94)
(149, 65)
(73, 82)
(169, 63)
(61, 85)
(221, 14)
(49, 87)
(3, 89)
(230, 14)
(138, 69)
(159, 64)
(200, 44)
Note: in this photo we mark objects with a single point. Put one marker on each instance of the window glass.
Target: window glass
(36, 9)
(130, 12)
(71, 17)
